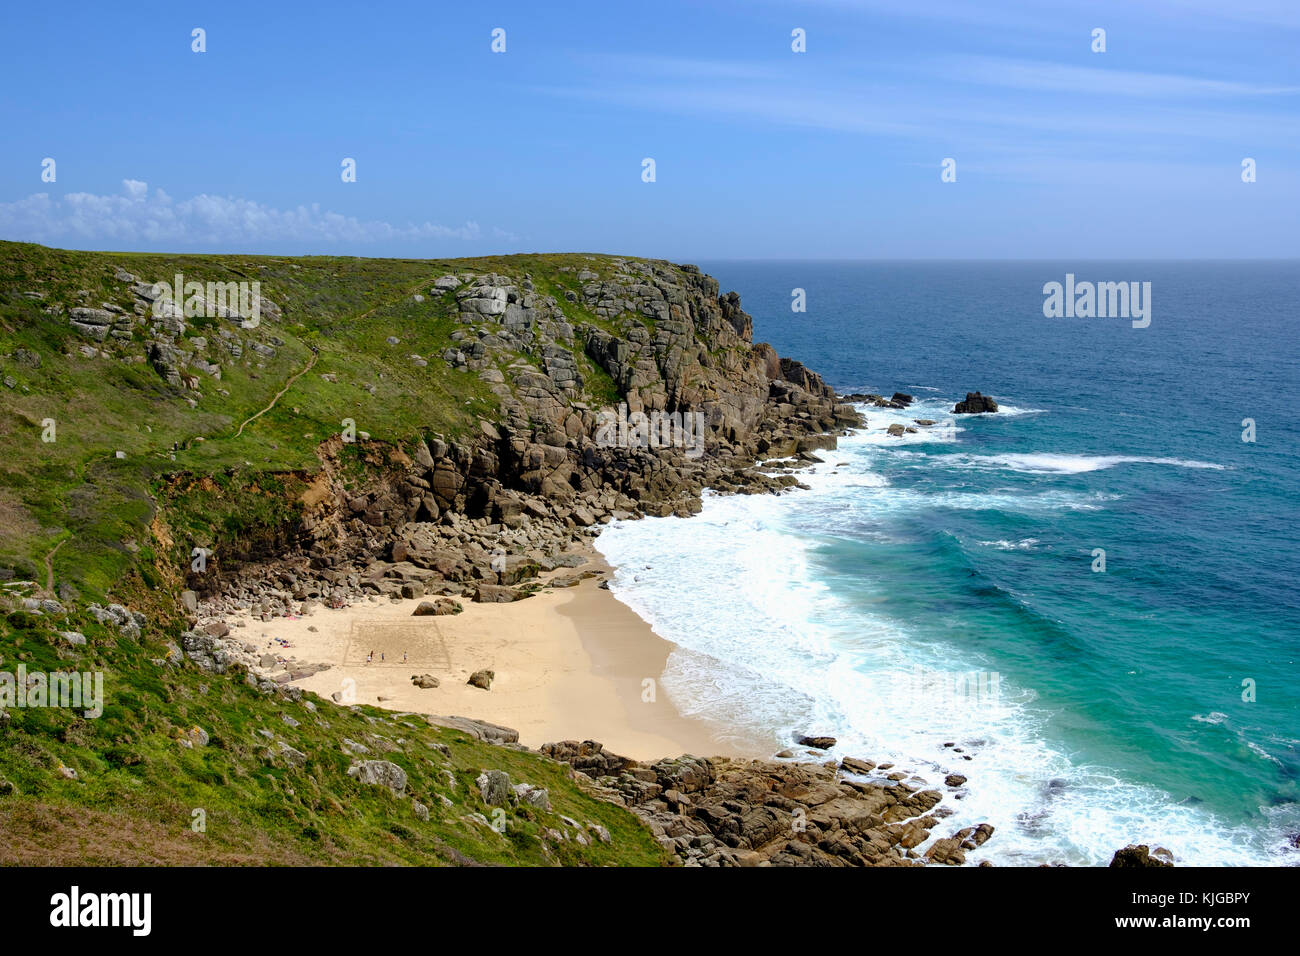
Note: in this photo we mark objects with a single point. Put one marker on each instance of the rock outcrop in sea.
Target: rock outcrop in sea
(975, 404)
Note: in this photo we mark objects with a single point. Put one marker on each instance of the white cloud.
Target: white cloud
(137, 216)
(692, 68)
(1205, 15)
(1064, 78)
(957, 102)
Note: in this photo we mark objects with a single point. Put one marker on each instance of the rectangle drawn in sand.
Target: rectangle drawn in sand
(422, 643)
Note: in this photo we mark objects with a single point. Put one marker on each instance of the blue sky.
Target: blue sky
(760, 152)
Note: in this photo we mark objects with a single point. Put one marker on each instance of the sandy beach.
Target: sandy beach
(571, 664)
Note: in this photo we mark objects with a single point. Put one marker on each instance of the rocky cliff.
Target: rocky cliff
(355, 429)
(255, 405)
(558, 455)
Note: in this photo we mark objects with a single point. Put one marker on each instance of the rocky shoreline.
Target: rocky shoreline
(491, 519)
(484, 517)
(493, 509)
(727, 812)
(707, 811)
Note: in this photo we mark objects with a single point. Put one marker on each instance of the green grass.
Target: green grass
(346, 308)
(137, 786)
(124, 527)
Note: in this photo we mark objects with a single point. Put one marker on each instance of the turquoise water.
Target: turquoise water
(940, 589)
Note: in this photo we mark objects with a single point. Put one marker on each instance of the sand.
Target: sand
(571, 664)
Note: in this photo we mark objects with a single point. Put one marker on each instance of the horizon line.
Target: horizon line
(676, 260)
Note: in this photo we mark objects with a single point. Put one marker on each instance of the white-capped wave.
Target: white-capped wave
(876, 431)
(1260, 751)
(1055, 463)
(946, 428)
(1013, 411)
(1002, 544)
(944, 434)
(1011, 502)
(764, 643)
(851, 466)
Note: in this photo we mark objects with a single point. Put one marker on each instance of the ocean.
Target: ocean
(1085, 603)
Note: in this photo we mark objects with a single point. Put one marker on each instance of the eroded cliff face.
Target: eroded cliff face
(680, 347)
(661, 333)
(560, 457)
(668, 342)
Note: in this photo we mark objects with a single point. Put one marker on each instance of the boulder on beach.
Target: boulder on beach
(483, 679)
(975, 404)
(440, 607)
(497, 594)
(515, 568)
(425, 681)
(816, 743)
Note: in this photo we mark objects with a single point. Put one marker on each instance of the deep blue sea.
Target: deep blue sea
(937, 600)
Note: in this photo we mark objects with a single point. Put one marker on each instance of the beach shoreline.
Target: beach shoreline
(570, 663)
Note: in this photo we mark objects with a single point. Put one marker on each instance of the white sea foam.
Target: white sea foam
(878, 435)
(850, 466)
(1068, 464)
(1002, 544)
(947, 428)
(944, 431)
(1260, 751)
(1012, 411)
(1011, 502)
(764, 643)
